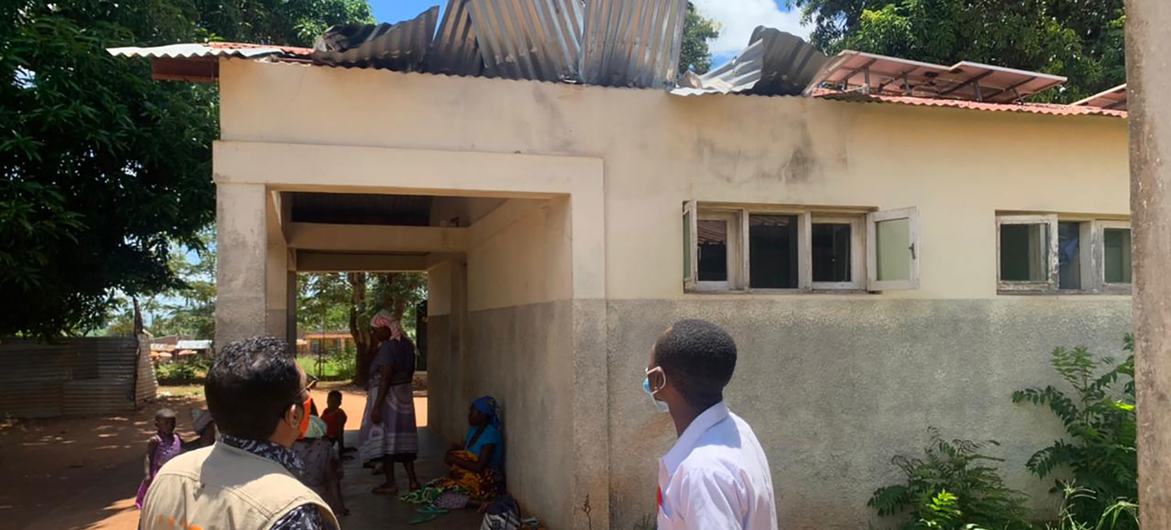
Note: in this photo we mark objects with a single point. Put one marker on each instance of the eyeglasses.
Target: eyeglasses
(310, 384)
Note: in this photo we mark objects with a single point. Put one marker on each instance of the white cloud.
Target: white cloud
(738, 18)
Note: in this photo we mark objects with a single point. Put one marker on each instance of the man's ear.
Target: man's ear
(291, 415)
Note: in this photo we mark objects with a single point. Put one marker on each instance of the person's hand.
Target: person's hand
(376, 416)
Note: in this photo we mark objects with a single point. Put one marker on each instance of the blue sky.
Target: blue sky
(737, 18)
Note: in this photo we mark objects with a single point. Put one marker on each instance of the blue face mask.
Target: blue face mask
(661, 406)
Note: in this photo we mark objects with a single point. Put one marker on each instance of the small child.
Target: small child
(335, 421)
(163, 446)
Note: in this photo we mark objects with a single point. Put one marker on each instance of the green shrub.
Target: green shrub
(1097, 462)
(953, 487)
(178, 373)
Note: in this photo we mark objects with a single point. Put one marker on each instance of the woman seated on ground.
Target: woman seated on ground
(321, 470)
(477, 465)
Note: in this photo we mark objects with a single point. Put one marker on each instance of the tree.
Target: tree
(351, 299)
(103, 170)
(694, 54)
(1079, 39)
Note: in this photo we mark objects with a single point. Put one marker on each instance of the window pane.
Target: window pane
(1024, 253)
(1117, 243)
(687, 245)
(1069, 263)
(894, 250)
(772, 251)
(713, 250)
(831, 252)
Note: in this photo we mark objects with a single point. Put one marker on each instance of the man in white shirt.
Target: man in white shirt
(716, 476)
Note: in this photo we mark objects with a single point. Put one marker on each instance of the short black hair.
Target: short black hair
(250, 385)
(333, 393)
(698, 358)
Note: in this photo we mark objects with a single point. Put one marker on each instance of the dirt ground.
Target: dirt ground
(82, 473)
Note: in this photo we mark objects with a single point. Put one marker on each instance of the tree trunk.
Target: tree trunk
(358, 329)
(1147, 48)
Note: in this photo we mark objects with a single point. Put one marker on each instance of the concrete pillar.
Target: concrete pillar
(1148, 47)
(241, 249)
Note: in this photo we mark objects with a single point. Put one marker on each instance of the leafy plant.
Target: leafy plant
(1120, 514)
(177, 373)
(1099, 450)
(954, 486)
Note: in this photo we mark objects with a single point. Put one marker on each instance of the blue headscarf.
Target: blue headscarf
(487, 406)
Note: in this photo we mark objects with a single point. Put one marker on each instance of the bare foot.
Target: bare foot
(415, 486)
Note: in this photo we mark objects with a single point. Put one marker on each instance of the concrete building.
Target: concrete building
(883, 266)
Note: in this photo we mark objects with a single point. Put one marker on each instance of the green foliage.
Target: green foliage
(104, 170)
(1119, 515)
(1079, 39)
(1099, 417)
(694, 54)
(323, 302)
(333, 366)
(182, 373)
(953, 486)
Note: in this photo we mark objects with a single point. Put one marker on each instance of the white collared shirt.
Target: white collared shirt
(716, 477)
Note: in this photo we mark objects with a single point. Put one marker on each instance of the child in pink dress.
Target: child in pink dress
(162, 447)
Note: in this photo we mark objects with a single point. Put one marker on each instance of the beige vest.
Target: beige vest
(224, 488)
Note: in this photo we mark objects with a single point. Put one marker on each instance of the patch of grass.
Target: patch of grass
(334, 367)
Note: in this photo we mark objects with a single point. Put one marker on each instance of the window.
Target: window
(892, 249)
(1042, 253)
(772, 251)
(1116, 265)
(836, 252)
(733, 248)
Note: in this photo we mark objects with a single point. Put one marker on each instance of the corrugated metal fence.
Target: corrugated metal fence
(98, 375)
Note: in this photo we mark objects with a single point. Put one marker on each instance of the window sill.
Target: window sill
(1064, 292)
(777, 291)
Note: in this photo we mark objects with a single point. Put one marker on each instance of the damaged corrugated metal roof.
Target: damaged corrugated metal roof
(622, 43)
(632, 43)
(400, 46)
(528, 39)
(775, 63)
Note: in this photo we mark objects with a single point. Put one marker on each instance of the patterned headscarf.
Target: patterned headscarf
(383, 319)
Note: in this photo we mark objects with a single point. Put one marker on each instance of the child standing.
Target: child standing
(335, 421)
(163, 446)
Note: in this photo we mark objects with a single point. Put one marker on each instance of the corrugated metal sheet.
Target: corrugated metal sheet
(146, 384)
(454, 50)
(90, 375)
(208, 49)
(632, 42)
(528, 39)
(399, 46)
(775, 63)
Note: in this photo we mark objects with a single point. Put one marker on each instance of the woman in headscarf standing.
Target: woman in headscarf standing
(388, 433)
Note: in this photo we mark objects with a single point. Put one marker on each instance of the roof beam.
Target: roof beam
(375, 238)
(969, 81)
(313, 261)
(1011, 88)
(865, 67)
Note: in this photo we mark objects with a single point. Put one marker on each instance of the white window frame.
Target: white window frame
(735, 256)
(739, 243)
(1100, 257)
(857, 252)
(1050, 282)
(802, 245)
(916, 248)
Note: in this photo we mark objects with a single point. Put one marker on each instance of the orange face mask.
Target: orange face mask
(304, 426)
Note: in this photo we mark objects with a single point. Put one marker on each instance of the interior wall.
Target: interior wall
(518, 349)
